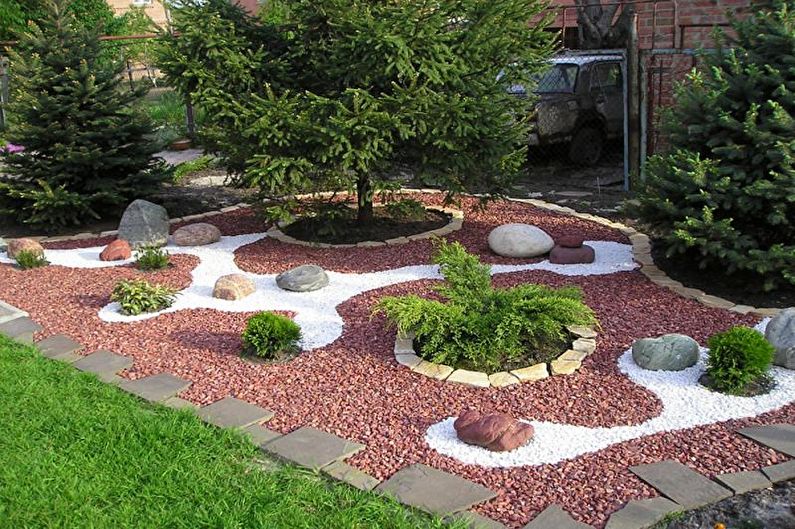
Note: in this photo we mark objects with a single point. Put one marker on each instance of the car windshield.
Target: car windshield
(560, 78)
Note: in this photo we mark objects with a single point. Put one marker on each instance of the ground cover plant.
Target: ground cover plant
(303, 97)
(85, 151)
(269, 336)
(738, 361)
(724, 196)
(137, 296)
(77, 452)
(27, 259)
(151, 258)
(480, 327)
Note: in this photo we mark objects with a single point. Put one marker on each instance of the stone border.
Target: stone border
(456, 223)
(567, 363)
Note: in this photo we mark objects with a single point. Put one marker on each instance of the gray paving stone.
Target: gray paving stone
(351, 475)
(59, 347)
(230, 412)
(779, 437)
(681, 484)
(740, 482)
(434, 491)
(642, 514)
(10, 312)
(20, 329)
(312, 448)
(781, 472)
(260, 435)
(475, 520)
(102, 362)
(156, 388)
(554, 517)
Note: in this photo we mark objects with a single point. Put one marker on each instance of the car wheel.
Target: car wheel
(586, 146)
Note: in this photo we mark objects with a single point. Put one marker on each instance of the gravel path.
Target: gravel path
(353, 387)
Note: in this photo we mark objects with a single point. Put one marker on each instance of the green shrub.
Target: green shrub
(151, 258)
(29, 259)
(723, 197)
(137, 296)
(483, 328)
(268, 334)
(408, 209)
(737, 358)
(199, 164)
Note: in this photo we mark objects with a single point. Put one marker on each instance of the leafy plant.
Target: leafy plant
(267, 335)
(480, 327)
(199, 164)
(737, 358)
(408, 208)
(137, 296)
(725, 194)
(29, 259)
(302, 96)
(151, 258)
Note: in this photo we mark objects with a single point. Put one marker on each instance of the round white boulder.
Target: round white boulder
(520, 240)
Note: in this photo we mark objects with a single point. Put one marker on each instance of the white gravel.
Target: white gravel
(686, 404)
(316, 312)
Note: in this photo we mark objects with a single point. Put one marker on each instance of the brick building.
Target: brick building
(153, 8)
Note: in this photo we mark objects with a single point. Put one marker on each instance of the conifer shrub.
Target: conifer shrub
(267, 335)
(737, 358)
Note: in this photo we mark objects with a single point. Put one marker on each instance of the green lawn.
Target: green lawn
(75, 452)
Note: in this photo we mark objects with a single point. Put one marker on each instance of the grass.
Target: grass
(75, 452)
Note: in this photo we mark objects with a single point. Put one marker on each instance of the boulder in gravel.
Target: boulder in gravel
(197, 234)
(670, 352)
(144, 224)
(233, 287)
(520, 240)
(570, 241)
(568, 255)
(118, 250)
(498, 432)
(21, 245)
(780, 332)
(303, 278)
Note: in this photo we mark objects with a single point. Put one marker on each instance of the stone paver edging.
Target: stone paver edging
(567, 363)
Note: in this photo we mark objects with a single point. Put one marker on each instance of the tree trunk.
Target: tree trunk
(364, 200)
(595, 24)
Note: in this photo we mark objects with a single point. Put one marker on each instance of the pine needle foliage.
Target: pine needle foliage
(725, 194)
(479, 327)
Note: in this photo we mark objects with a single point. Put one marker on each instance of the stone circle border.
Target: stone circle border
(566, 363)
(641, 249)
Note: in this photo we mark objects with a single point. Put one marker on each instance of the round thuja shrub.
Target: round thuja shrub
(737, 359)
(268, 335)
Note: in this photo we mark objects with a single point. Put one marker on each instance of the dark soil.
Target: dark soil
(763, 509)
(349, 231)
(742, 289)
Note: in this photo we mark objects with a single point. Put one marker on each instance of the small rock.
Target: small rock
(570, 241)
(498, 432)
(3, 244)
(520, 240)
(567, 255)
(780, 332)
(20, 245)
(303, 278)
(670, 352)
(118, 250)
(144, 224)
(197, 234)
(233, 287)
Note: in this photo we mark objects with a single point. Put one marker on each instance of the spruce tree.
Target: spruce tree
(84, 135)
(725, 194)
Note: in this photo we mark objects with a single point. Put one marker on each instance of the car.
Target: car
(580, 104)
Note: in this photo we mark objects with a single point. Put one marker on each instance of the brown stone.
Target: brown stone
(570, 241)
(233, 287)
(498, 432)
(118, 250)
(20, 245)
(562, 255)
(197, 234)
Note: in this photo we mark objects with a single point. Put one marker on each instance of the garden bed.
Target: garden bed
(349, 383)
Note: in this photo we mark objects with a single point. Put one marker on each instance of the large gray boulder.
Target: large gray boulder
(144, 224)
(520, 240)
(780, 332)
(303, 278)
(670, 352)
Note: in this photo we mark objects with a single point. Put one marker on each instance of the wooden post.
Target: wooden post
(633, 99)
(3, 90)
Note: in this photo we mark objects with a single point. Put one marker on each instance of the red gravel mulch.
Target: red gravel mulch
(355, 389)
